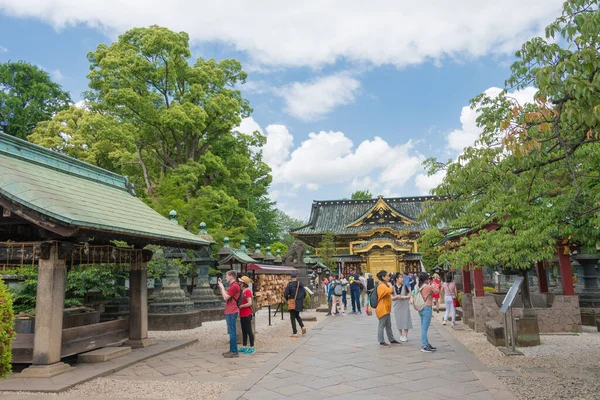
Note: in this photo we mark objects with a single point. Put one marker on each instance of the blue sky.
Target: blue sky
(351, 97)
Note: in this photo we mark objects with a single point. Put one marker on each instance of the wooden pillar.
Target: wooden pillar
(565, 270)
(478, 278)
(542, 277)
(138, 309)
(466, 279)
(50, 300)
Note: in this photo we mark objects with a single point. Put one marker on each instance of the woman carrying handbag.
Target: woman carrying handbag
(449, 292)
(294, 294)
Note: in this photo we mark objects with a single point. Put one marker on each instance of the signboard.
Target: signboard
(512, 293)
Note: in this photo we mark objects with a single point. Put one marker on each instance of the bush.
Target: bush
(7, 332)
(489, 289)
(307, 301)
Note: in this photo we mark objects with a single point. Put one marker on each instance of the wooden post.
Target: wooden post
(466, 279)
(565, 270)
(478, 278)
(50, 300)
(542, 277)
(138, 309)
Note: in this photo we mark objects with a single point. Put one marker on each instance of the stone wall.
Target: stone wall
(563, 316)
(485, 309)
(467, 310)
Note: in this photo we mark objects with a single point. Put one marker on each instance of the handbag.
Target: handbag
(368, 308)
(292, 302)
(456, 302)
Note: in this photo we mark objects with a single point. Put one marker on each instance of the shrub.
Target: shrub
(7, 332)
(489, 289)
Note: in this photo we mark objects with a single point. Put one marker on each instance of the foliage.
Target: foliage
(266, 230)
(27, 96)
(427, 244)
(279, 246)
(25, 295)
(361, 195)
(327, 251)
(7, 333)
(171, 125)
(306, 303)
(286, 223)
(531, 179)
(489, 289)
(157, 266)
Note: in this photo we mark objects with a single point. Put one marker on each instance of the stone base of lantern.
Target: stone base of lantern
(174, 321)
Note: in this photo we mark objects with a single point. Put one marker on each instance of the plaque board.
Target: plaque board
(512, 293)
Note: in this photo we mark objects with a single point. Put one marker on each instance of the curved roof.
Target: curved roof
(81, 196)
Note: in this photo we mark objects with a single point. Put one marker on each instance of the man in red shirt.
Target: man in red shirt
(231, 310)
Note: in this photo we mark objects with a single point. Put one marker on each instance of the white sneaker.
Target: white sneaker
(403, 339)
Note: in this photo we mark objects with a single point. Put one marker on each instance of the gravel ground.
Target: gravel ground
(211, 335)
(562, 367)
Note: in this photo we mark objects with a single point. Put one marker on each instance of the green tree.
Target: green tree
(533, 173)
(169, 124)
(286, 223)
(327, 251)
(266, 231)
(361, 195)
(27, 96)
(7, 332)
(428, 248)
(279, 246)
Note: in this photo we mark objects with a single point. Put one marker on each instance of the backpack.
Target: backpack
(417, 299)
(240, 298)
(373, 297)
(337, 289)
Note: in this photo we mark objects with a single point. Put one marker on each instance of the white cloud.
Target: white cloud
(279, 142)
(248, 126)
(458, 139)
(315, 33)
(57, 75)
(3, 49)
(312, 100)
(426, 182)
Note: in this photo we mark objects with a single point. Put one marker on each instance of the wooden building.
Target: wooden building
(370, 235)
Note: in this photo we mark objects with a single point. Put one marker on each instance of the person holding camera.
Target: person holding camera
(232, 310)
(384, 308)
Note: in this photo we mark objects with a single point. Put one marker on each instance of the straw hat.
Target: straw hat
(246, 280)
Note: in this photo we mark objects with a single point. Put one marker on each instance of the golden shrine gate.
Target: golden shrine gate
(370, 235)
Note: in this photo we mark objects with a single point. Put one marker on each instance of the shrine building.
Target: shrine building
(370, 235)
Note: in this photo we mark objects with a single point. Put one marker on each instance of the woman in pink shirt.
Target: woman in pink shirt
(427, 290)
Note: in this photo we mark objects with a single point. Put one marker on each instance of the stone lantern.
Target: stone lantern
(203, 296)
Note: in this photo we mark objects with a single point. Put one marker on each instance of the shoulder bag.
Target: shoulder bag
(292, 302)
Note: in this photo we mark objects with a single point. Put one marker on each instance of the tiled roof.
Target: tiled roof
(81, 195)
(239, 256)
(335, 215)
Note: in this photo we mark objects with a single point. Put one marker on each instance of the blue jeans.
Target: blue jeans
(344, 299)
(231, 329)
(425, 315)
(355, 297)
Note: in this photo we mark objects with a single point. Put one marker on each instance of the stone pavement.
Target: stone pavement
(341, 359)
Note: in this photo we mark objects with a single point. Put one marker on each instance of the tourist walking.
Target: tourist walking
(370, 284)
(231, 297)
(450, 294)
(436, 296)
(384, 308)
(355, 294)
(329, 291)
(344, 291)
(246, 315)
(426, 290)
(338, 291)
(294, 293)
(401, 306)
(363, 290)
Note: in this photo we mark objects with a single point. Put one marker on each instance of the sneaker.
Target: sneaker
(303, 330)
(403, 339)
(250, 350)
(431, 347)
(443, 322)
(426, 350)
(384, 344)
(294, 335)
(242, 350)
(395, 342)
(328, 314)
(336, 314)
(231, 355)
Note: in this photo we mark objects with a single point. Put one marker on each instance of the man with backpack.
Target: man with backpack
(233, 300)
(338, 290)
(355, 287)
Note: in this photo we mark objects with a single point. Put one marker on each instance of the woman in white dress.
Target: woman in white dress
(401, 307)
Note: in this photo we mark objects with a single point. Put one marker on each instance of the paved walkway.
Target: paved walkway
(341, 359)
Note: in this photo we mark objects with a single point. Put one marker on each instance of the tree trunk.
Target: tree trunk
(149, 186)
(525, 292)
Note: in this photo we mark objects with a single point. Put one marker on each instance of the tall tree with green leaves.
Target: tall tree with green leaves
(27, 96)
(428, 247)
(327, 251)
(286, 223)
(266, 231)
(361, 195)
(172, 124)
(534, 171)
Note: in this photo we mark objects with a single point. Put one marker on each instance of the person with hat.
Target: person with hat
(294, 293)
(246, 315)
